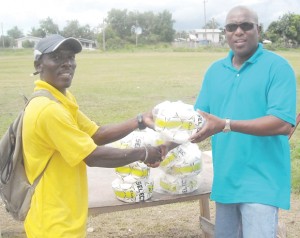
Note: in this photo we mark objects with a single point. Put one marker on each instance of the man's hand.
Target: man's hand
(154, 156)
(213, 125)
(148, 119)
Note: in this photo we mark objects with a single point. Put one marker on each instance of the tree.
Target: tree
(163, 26)
(47, 27)
(5, 41)
(286, 29)
(87, 32)
(37, 32)
(118, 21)
(154, 27)
(15, 33)
(73, 29)
(28, 44)
(212, 24)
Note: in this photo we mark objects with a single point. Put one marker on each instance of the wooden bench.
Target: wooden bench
(103, 200)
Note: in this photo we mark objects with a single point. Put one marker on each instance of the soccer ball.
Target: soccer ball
(176, 185)
(135, 170)
(176, 121)
(138, 139)
(183, 161)
(133, 192)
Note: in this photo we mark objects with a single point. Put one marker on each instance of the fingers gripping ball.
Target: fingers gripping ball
(176, 121)
(133, 192)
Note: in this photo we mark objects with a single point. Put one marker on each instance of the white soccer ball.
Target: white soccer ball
(183, 161)
(138, 139)
(176, 121)
(135, 170)
(133, 192)
(176, 185)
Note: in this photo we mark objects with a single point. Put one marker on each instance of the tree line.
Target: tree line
(123, 27)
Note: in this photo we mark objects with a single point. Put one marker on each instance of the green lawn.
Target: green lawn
(111, 87)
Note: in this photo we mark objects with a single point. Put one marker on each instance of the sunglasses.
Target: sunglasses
(245, 26)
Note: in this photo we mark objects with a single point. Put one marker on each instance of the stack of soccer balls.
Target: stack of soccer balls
(134, 183)
(181, 168)
(176, 122)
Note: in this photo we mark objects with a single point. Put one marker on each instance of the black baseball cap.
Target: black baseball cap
(52, 42)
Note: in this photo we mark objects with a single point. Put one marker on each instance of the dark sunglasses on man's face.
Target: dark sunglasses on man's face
(245, 26)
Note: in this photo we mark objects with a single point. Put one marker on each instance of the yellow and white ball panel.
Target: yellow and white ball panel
(136, 169)
(184, 160)
(176, 185)
(133, 192)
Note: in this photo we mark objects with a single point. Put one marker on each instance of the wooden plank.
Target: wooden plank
(205, 224)
(207, 227)
(156, 201)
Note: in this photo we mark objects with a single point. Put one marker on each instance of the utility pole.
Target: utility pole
(204, 1)
(2, 35)
(136, 33)
(103, 35)
(213, 33)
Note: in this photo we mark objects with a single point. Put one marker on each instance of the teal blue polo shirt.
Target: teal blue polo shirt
(247, 168)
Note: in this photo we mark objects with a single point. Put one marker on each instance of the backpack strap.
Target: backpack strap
(40, 93)
(13, 133)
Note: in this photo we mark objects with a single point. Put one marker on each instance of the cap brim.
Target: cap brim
(53, 42)
(74, 44)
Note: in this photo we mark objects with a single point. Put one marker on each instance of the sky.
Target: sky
(188, 14)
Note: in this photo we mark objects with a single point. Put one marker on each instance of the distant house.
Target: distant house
(31, 39)
(208, 35)
(87, 44)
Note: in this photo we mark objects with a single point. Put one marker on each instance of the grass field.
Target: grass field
(111, 87)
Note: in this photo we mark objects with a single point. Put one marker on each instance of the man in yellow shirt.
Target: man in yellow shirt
(58, 135)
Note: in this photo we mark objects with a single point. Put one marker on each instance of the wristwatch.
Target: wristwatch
(141, 124)
(227, 125)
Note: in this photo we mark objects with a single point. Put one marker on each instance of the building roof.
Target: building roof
(208, 30)
(28, 38)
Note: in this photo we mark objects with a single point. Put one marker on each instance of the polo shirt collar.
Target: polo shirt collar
(251, 60)
(65, 100)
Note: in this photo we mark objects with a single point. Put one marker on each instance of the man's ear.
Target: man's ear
(259, 28)
(38, 66)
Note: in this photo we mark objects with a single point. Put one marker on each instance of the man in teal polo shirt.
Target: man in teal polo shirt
(249, 102)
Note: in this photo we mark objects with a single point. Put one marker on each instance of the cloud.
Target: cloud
(188, 14)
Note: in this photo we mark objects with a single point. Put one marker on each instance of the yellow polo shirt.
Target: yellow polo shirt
(58, 133)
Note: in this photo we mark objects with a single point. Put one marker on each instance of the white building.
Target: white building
(86, 44)
(33, 39)
(210, 35)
